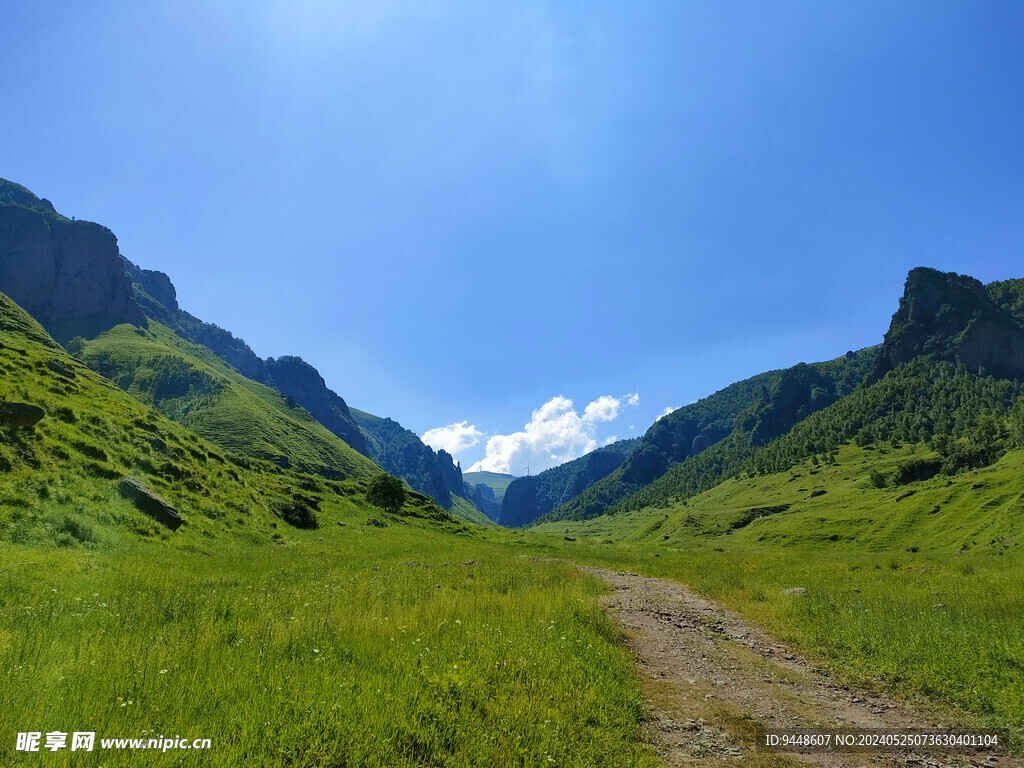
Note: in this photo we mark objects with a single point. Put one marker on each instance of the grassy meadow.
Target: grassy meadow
(356, 647)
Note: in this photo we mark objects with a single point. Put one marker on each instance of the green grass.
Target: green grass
(979, 510)
(929, 626)
(467, 513)
(372, 647)
(370, 641)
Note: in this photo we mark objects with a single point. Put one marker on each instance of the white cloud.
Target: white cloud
(605, 408)
(666, 412)
(453, 438)
(555, 434)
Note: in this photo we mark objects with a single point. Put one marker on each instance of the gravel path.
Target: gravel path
(711, 679)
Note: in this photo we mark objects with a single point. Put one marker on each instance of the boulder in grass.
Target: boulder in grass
(146, 500)
(20, 415)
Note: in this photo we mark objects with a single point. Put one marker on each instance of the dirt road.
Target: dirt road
(711, 679)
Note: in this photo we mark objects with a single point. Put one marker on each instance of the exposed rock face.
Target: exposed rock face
(955, 319)
(753, 412)
(146, 500)
(293, 377)
(69, 275)
(157, 285)
(20, 415)
(451, 472)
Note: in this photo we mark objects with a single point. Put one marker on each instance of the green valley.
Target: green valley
(191, 546)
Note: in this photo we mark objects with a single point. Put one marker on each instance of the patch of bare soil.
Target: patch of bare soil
(712, 679)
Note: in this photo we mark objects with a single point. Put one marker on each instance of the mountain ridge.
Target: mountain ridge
(71, 275)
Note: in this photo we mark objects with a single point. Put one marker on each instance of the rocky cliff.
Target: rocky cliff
(953, 318)
(753, 411)
(482, 497)
(294, 377)
(68, 274)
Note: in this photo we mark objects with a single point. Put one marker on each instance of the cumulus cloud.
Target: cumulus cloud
(556, 433)
(453, 438)
(666, 412)
(605, 408)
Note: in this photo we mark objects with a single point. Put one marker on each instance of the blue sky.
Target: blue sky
(477, 212)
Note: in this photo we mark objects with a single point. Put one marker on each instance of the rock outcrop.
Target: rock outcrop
(71, 277)
(20, 415)
(952, 318)
(451, 472)
(148, 501)
(155, 285)
(67, 274)
(753, 411)
(482, 497)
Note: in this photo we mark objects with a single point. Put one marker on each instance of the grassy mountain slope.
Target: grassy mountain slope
(289, 375)
(716, 433)
(930, 381)
(916, 402)
(71, 277)
(12, 193)
(528, 498)
(192, 386)
(838, 506)
(59, 479)
(673, 438)
(464, 510)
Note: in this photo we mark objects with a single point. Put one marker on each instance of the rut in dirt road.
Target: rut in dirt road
(711, 679)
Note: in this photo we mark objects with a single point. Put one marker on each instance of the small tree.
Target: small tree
(386, 492)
